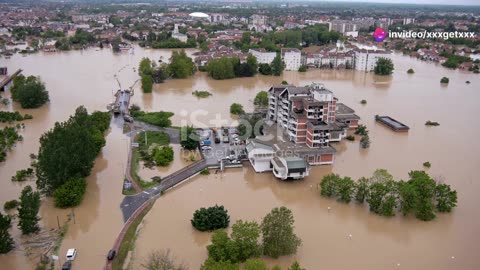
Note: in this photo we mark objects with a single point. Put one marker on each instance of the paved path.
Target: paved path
(131, 203)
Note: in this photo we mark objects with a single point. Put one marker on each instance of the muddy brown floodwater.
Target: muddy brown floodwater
(449, 242)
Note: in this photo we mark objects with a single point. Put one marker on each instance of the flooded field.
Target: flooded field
(86, 78)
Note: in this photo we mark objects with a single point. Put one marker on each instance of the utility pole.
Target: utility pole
(146, 142)
(73, 215)
(58, 223)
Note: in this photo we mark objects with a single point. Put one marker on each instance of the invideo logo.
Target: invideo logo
(379, 34)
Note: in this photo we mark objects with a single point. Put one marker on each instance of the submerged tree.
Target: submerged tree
(384, 66)
(28, 211)
(277, 231)
(30, 92)
(6, 241)
(162, 260)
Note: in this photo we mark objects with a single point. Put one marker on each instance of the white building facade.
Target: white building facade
(263, 57)
(292, 58)
(365, 60)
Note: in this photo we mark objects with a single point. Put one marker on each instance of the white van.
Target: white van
(71, 254)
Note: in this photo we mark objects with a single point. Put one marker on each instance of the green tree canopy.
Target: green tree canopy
(384, 66)
(70, 193)
(30, 92)
(189, 138)
(277, 65)
(211, 218)
(69, 149)
(277, 232)
(28, 211)
(236, 108)
(261, 99)
(255, 264)
(181, 66)
(6, 241)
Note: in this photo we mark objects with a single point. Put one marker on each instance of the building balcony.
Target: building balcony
(284, 100)
(291, 133)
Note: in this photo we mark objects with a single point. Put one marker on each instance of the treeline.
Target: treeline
(80, 39)
(8, 137)
(28, 208)
(165, 40)
(67, 153)
(297, 38)
(420, 195)
(274, 237)
(227, 68)
(181, 66)
(10, 117)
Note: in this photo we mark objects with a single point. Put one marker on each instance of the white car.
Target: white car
(71, 254)
(205, 147)
(234, 136)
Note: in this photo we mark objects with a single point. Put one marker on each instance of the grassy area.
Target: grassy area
(134, 169)
(128, 241)
(161, 119)
(157, 137)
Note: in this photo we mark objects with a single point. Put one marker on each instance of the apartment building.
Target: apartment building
(365, 60)
(308, 117)
(292, 58)
(263, 57)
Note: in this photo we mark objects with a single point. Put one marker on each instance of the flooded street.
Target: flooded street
(86, 78)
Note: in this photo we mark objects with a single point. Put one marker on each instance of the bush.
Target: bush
(444, 80)
(212, 218)
(261, 99)
(205, 171)
(163, 156)
(22, 175)
(147, 83)
(70, 193)
(350, 138)
(265, 69)
(9, 205)
(201, 94)
(427, 164)
(361, 130)
(384, 66)
(237, 109)
(363, 102)
(30, 92)
(430, 123)
(302, 68)
(410, 71)
(365, 141)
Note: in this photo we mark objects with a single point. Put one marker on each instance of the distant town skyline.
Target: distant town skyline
(418, 2)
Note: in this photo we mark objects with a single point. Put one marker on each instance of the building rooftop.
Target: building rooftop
(343, 109)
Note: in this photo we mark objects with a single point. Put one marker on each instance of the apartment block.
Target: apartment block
(292, 58)
(263, 57)
(365, 60)
(308, 117)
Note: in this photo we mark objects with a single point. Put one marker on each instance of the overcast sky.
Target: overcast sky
(438, 2)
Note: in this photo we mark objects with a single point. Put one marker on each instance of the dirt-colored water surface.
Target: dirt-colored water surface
(449, 242)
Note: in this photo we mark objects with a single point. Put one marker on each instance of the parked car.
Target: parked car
(206, 147)
(67, 265)
(111, 254)
(234, 136)
(71, 254)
